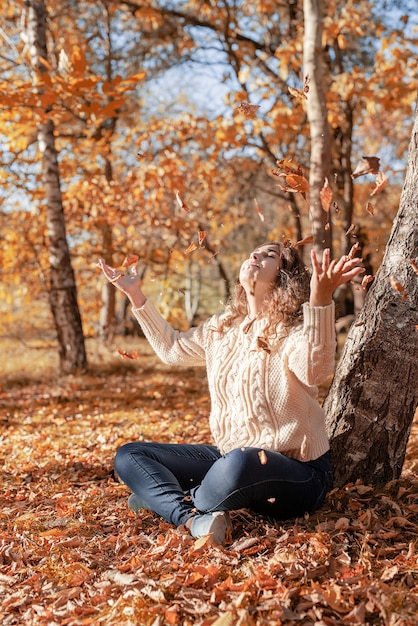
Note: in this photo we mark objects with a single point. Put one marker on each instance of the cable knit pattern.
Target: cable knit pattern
(263, 392)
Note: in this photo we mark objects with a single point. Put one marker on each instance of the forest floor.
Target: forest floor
(71, 553)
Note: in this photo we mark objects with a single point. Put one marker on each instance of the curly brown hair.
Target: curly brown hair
(289, 291)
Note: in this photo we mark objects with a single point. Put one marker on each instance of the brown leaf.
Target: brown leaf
(263, 457)
(128, 355)
(366, 281)
(304, 242)
(414, 266)
(380, 182)
(258, 209)
(248, 110)
(297, 93)
(181, 202)
(367, 165)
(370, 208)
(130, 259)
(192, 246)
(297, 183)
(326, 196)
(202, 236)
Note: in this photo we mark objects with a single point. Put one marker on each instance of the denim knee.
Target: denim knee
(122, 458)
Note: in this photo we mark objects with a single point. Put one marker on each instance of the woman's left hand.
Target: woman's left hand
(326, 278)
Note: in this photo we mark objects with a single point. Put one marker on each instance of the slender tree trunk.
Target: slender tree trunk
(62, 287)
(318, 122)
(374, 394)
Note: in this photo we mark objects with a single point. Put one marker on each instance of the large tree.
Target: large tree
(374, 394)
(62, 288)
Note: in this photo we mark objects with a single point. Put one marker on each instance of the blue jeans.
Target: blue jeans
(174, 480)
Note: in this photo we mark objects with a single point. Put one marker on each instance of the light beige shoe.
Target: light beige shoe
(215, 524)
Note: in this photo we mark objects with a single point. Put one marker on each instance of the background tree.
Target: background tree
(374, 394)
(61, 281)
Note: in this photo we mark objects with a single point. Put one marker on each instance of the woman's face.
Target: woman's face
(261, 268)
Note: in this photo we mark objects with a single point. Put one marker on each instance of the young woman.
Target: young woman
(264, 356)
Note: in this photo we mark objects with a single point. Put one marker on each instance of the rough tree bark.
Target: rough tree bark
(372, 400)
(318, 121)
(62, 287)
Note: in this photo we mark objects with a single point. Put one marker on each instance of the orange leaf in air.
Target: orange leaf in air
(380, 182)
(202, 236)
(130, 259)
(366, 281)
(128, 355)
(326, 196)
(414, 266)
(258, 209)
(304, 242)
(263, 457)
(181, 202)
(350, 230)
(367, 165)
(370, 208)
(398, 287)
(191, 248)
(297, 183)
(248, 110)
(297, 93)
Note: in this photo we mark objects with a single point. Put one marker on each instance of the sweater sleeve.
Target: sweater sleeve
(171, 346)
(312, 349)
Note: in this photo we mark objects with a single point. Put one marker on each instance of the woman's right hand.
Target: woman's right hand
(129, 282)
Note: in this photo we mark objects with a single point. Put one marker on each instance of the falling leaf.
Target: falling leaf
(248, 110)
(380, 182)
(370, 208)
(353, 251)
(263, 457)
(181, 202)
(191, 248)
(303, 242)
(350, 230)
(326, 196)
(414, 266)
(366, 281)
(297, 93)
(297, 183)
(258, 209)
(398, 287)
(130, 259)
(367, 165)
(128, 355)
(202, 237)
(336, 207)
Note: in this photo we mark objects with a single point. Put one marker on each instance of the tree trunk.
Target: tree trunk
(372, 400)
(318, 122)
(62, 287)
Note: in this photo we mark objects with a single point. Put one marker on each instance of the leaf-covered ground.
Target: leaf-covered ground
(71, 552)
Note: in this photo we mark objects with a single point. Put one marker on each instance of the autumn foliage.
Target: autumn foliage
(71, 552)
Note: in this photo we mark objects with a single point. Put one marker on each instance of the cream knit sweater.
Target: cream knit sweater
(262, 395)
